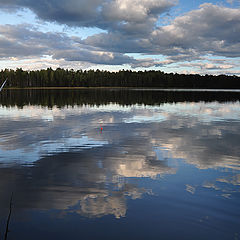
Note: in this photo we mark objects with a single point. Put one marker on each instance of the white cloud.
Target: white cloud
(211, 29)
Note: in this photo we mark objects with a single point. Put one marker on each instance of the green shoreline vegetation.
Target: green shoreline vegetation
(64, 78)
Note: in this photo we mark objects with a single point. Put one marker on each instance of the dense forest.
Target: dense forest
(125, 78)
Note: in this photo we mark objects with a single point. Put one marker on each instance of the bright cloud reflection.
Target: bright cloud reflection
(66, 152)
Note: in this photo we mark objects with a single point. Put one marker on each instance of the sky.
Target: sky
(194, 36)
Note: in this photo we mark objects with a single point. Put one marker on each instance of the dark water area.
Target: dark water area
(73, 97)
(120, 164)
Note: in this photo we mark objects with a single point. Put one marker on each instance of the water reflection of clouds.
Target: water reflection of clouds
(205, 145)
(37, 112)
(92, 182)
(224, 186)
(213, 144)
(203, 111)
(73, 182)
(34, 152)
(234, 180)
(136, 142)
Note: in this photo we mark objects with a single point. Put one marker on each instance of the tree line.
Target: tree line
(125, 78)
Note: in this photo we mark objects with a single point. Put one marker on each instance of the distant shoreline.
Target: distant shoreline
(130, 88)
(91, 79)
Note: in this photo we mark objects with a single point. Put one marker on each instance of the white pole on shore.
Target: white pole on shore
(3, 85)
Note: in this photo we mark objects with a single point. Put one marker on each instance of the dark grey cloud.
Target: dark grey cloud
(94, 57)
(71, 12)
(105, 58)
(106, 14)
(118, 42)
(25, 41)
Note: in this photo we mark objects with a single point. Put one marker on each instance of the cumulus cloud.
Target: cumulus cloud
(136, 16)
(135, 10)
(95, 13)
(25, 41)
(70, 12)
(105, 58)
(211, 29)
(130, 27)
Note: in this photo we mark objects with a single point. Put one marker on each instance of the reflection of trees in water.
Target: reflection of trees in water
(71, 97)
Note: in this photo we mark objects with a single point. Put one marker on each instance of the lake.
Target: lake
(120, 164)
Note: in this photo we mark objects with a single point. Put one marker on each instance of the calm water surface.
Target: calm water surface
(165, 165)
